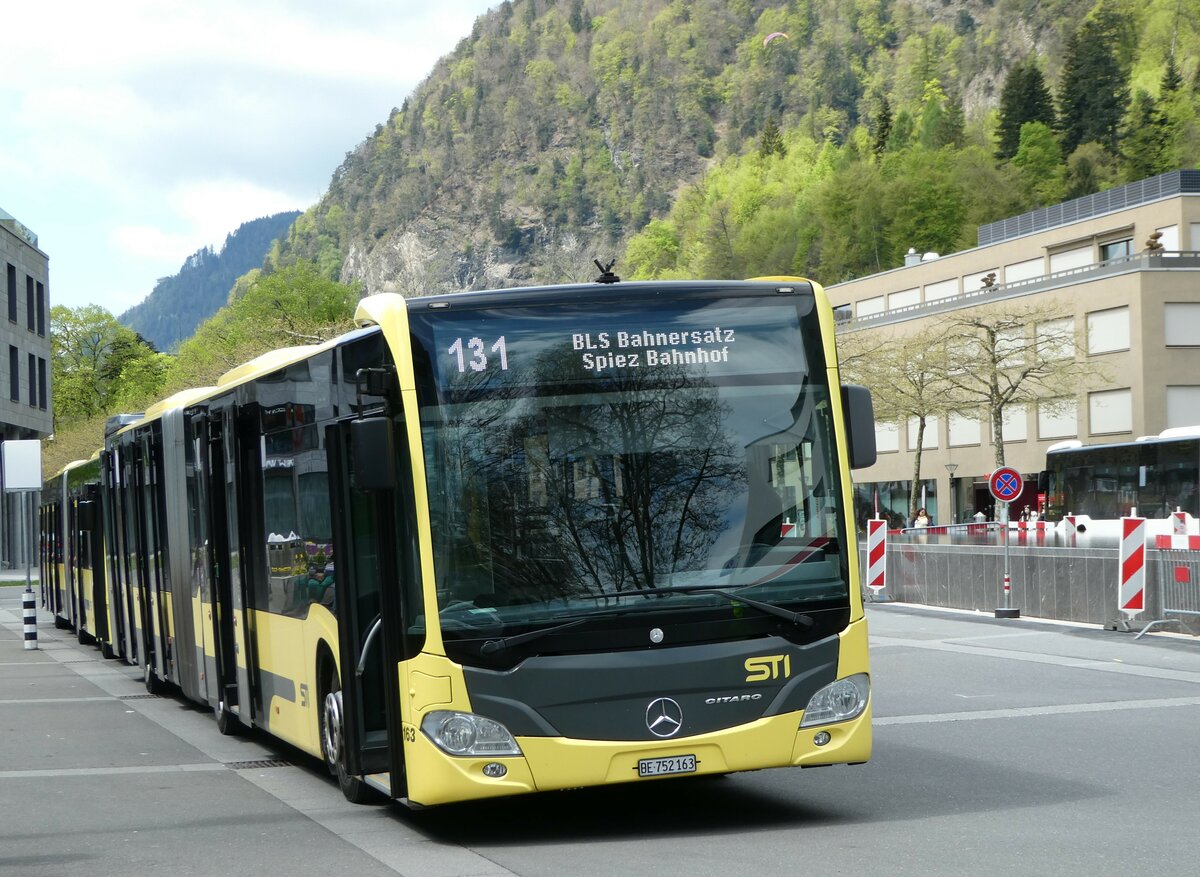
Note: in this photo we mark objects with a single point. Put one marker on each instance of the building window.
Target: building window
(1068, 260)
(929, 439)
(869, 307)
(1116, 250)
(1108, 331)
(1183, 406)
(1015, 423)
(887, 437)
(1181, 323)
(42, 400)
(1058, 418)
(1027, 270)
(12, 293)
(30, 317)
(963, 431)
(41, 309)
(904, 299)
(14, 374)
(1056, 338)
(942, 289)
(1110, 411)
(1168, 238)
(32, 381)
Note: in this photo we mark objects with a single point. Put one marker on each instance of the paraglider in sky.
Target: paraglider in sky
(772, 36)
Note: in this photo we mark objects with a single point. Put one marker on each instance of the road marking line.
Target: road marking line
(1036, 658)
(109, 771)
(36, 700)
(1032, 711)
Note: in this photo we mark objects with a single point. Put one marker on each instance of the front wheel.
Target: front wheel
(333, 745)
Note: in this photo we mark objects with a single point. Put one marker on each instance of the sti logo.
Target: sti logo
(768, 667)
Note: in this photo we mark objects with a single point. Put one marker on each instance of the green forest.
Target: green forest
(681, 140)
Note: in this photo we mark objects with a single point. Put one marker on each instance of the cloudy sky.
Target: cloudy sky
(134, 133)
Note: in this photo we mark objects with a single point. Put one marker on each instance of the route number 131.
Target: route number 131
(478, 358)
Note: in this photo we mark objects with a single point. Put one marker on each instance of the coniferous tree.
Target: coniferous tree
(1024, 98)
(1094, 89)
(770, 142)
(1144, 147)
(883, 127)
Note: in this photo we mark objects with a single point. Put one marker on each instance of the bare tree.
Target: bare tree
(908, 375)
(1005, 357)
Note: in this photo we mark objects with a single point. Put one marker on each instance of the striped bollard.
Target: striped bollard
(29, 602)
(876, 555)
(1132, 587)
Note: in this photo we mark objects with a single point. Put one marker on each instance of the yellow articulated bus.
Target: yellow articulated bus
(502, 542)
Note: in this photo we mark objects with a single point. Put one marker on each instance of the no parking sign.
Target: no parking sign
(1005, 484)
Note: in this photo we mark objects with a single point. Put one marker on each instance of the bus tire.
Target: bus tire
(333, 745)
(60, 622)
(106, 649)
(154, 685)
(227, 723)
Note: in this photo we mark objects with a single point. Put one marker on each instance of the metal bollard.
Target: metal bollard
(29, 601)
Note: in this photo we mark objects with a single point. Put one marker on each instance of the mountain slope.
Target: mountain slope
(180, 303)
(560, 127)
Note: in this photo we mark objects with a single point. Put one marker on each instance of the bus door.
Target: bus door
(91, 526)
(231, 622)
(368, 604)
(150, 565)
(223, 561)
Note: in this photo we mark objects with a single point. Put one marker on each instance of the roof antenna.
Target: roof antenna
(606, 275)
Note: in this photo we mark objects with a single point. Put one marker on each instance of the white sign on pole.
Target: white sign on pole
(22, 462)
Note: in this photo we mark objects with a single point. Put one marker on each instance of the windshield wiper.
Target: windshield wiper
(496, 645)
(797, 618)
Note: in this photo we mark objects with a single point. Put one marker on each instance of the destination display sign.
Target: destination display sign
(529, 346)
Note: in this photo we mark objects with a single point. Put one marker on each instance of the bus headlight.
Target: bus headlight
(838, 701)
(468, 734)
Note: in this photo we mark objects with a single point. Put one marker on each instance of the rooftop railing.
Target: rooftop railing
(1173, 260)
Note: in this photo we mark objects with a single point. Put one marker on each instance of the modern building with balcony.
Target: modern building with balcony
(1122, 265)
(25, 409)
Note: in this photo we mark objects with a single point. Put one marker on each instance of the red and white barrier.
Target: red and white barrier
(1177, 543)
(876, 554)
(1132, 582)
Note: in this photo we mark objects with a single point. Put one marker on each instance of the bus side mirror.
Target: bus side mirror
(374, 453)
(86, 515)
(860, 425)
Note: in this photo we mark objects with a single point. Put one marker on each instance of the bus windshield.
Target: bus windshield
(592, 457)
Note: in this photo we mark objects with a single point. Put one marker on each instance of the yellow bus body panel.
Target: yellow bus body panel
(287, 649)
(551, 763)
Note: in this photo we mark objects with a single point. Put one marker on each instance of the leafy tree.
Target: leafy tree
(92, 358)
(1090, 169)
(1024, 98)
(1011, 357)
(1094, 90)
(1040, 162)
(295, 305)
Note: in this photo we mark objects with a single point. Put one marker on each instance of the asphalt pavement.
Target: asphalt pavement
(1001, 747)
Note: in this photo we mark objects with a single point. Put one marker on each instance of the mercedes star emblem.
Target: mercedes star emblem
(664, 717)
